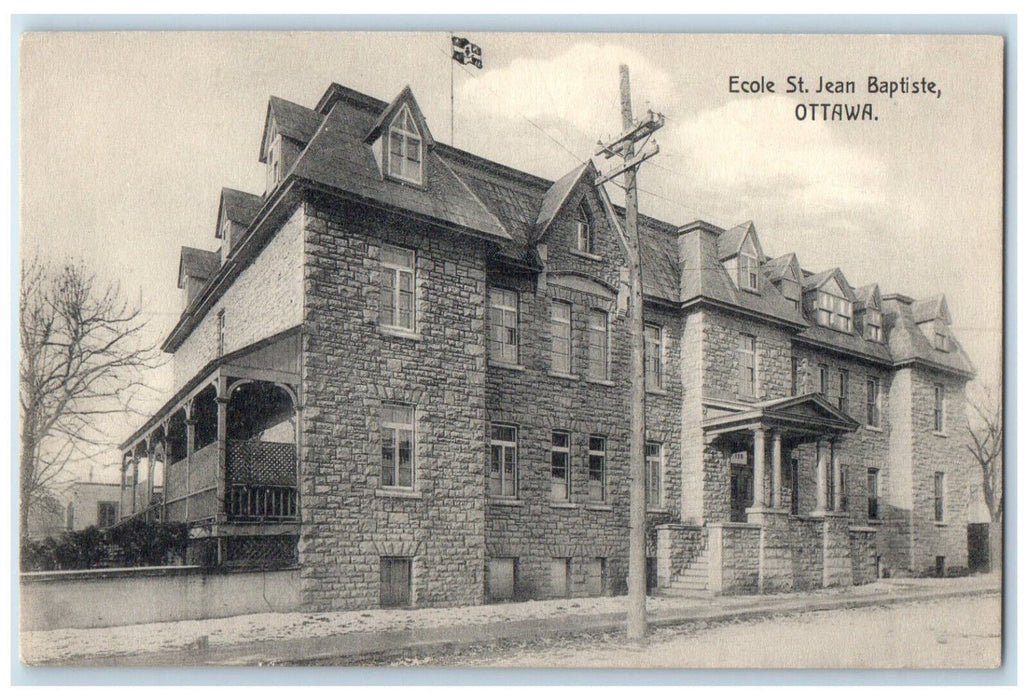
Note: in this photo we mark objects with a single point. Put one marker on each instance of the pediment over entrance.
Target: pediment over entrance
(810, 415)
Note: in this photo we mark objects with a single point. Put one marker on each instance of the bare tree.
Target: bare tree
(986, 446)
(84, 356)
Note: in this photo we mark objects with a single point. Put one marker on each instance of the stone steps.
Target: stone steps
(692, 581)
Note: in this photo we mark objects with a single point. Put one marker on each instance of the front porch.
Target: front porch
(767, 543)
(222, 456)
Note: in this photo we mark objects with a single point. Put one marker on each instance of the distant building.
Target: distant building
(94, 504)
(407, 371)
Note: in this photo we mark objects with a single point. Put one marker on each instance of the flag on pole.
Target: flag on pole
(465, 52)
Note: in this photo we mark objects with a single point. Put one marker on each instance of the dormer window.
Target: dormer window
(747, 271)
(834, 312)
(583, 231)
(940, 341)
(273, 160)
(405, 145)
(873, 325)
(791, 291)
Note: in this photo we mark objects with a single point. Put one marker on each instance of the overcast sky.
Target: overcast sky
(127, 139)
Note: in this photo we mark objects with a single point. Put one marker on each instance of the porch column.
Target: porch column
(822, 477)
(222, 401)
(836, 478)
(190, 443)
(776, 469)
(758, 468)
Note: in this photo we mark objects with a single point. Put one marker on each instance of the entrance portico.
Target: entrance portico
(760, 439)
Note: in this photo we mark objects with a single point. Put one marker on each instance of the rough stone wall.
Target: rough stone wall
(896, 532)
(806, 537)
(863, 555)
(349, 368)
(721, 364)
(735, 558)
(678, 547)
(867, 448)
(533, 528)
(266, 298)
(938, 452)
(776, 567)
(693, 482)
(838, 567)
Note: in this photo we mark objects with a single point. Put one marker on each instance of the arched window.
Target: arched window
(584, 230)
(405, 144)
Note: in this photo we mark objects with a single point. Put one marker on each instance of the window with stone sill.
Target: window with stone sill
(654, 471)
(872, 494)
(405, 148)
(397, 298)
(939, 412)
(397, 432)
(597, 468)
(560, 337)
(822, 377)
(503, 465)
(503, 325)
(747, 353)
(599, 345)
(584, 240)
(940, 496)
(654, 356)
(560, 466)
(844, 388)
(874, 409)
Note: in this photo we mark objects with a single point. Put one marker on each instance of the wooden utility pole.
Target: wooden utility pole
(624, 145)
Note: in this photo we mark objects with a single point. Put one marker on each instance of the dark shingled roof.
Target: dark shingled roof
(703, 276)
(865, 295)
(556, 196)
(201, 264)
(338, 157)
(776, 269)
(849, 342)
(729, 242)
(240, 207)
(924, 310)
(294, 121)
(908, 343)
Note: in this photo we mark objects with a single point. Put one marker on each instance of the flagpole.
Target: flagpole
(451, 90)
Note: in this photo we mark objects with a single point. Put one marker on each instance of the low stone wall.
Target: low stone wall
(838, 568)
(115, 597)
(734, 551)
(863, 555)
(807, 543)
(678, 546)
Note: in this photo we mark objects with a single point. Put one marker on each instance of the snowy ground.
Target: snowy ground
(952, 633)
(57, 646)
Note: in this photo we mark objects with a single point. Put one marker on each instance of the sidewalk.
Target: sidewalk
(348, 637)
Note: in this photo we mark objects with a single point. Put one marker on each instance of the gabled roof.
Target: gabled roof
(816, 281)
(782, 266)
(240, 207)
(200, 264)
(908, 344)
(924, 310)
(291, 120)
(406, 97)
(868, 296)
(557, 194)
(338, 158)
(730, 242)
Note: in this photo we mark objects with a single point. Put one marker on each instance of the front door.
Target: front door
(742, 492)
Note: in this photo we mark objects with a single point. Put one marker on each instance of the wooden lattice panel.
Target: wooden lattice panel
(260, 462)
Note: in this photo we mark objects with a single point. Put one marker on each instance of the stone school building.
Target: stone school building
(405, 370)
